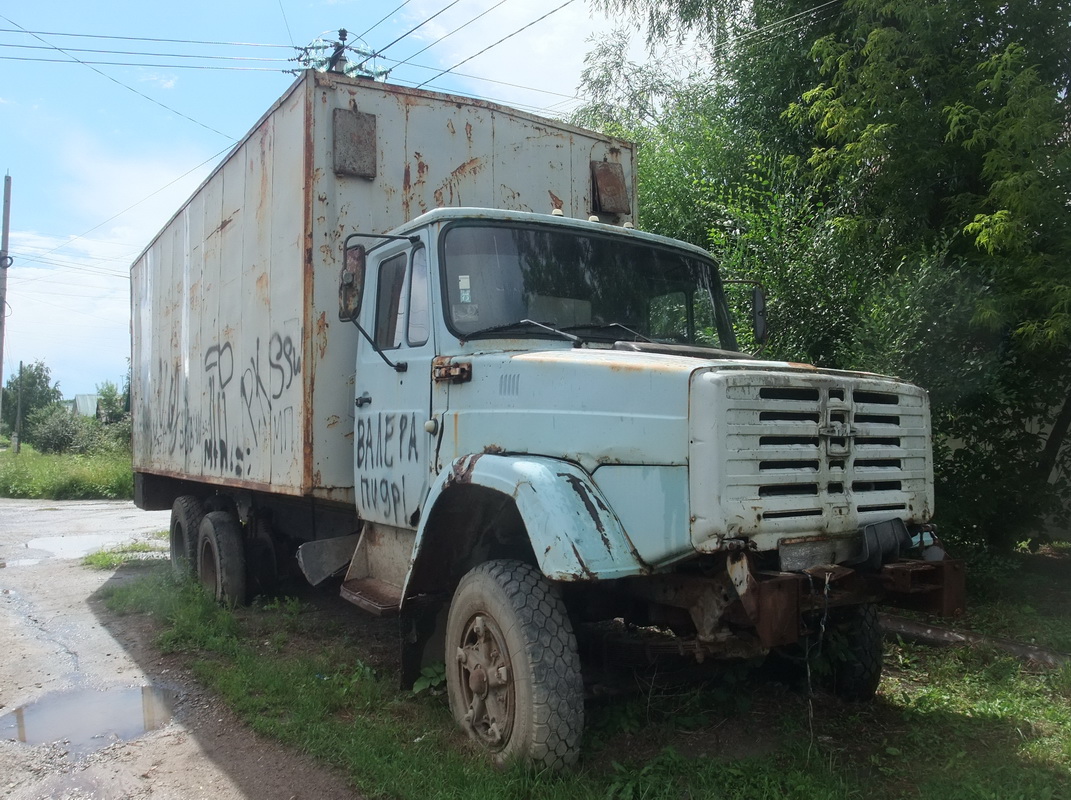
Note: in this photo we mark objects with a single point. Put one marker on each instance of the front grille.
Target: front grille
(822, 451)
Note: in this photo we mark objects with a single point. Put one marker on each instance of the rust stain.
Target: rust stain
(583, 567)
(555, 201)
(262, 286)
(461, 473)
(449, 193)
(407, 185)
(321, 334)
(468, 131)
(450, 126)
(332, 421)
(494, 449)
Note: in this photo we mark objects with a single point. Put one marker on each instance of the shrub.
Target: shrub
(54, 429)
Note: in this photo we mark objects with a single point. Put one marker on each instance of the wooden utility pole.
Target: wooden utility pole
(5, 262)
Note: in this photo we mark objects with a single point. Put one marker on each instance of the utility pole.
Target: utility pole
(5, 262)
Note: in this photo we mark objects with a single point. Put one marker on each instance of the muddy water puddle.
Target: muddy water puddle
(89, 719)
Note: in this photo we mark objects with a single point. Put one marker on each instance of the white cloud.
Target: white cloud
(68, 294)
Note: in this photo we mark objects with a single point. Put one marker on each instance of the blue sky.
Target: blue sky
(101, 155)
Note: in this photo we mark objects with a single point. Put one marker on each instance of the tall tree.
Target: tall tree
(910, 161)
(38, 391)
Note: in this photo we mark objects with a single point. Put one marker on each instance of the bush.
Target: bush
(54, 429)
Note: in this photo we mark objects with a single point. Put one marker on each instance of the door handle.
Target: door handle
(364, 400)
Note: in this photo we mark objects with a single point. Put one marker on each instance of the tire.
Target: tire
(186, 516)
(512, 667)
(221, 558)
(262, 573)
(856, 660)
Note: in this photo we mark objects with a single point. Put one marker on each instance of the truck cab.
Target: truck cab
(562, 403)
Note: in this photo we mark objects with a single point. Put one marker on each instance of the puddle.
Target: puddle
(89, 719)
(77, 546)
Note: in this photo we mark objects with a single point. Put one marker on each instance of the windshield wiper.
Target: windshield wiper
(522, 324)
(594, 326)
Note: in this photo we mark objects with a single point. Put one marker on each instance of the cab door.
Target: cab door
(393, 451)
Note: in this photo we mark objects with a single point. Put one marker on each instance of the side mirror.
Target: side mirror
(758, 314)
(351, 283)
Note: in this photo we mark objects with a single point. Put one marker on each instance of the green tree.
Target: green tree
(906, 199)
(111, 403)
(38, 391)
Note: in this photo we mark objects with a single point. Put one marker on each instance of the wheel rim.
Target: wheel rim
(485, 680)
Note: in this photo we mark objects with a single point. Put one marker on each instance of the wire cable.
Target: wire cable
(286, 24)
(455, 30)
(495, 44)
(139, 38)
(157, 66)
(388, 16)
(120, 83)
(147, 55)
(138, 203)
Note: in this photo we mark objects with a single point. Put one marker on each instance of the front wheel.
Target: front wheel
(512, 667)
(856, 657)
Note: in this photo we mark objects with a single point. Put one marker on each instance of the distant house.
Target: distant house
(85, 405)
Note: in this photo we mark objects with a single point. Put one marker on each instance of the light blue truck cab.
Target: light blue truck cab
(559, 448)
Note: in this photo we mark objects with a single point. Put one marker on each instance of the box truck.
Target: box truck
(415, 342)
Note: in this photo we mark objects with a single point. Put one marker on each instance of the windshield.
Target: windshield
(502, 278)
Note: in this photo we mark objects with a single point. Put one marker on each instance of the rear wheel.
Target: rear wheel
(221, 558)
(186, 516)
(512, 668)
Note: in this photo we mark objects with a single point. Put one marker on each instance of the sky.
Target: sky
(102, 154)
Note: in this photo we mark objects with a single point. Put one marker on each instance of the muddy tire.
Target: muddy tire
(186, 516)
(512, 668)
(221, 558)
(856, 662)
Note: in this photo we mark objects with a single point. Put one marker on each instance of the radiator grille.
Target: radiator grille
(812, 450)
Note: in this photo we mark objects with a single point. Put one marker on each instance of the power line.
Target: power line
(384, 19)
(286, 24)
(139, 202)
(451, 33)
(138, 38)
(120, 83)
(382, 50)
(156, 66)
(500, 41)
(147, 55)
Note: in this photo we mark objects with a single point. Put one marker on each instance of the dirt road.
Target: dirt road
(82, 685)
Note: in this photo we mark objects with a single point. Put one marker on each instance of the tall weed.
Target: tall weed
(31, 475)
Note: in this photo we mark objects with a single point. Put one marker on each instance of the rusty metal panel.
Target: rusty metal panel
(611, 193)
(354, 143)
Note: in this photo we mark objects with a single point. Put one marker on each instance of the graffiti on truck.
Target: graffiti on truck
(385, 444)
(234, 411)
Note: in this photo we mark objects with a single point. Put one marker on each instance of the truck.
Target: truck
(414, 345)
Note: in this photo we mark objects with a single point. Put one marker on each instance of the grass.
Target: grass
(31, 475)
(133, 553)
(948, 723)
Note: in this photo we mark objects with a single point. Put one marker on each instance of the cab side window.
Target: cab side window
(419, 313)
(389, 302)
